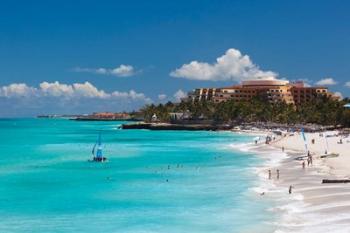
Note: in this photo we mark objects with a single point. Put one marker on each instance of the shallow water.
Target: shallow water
(47, 185)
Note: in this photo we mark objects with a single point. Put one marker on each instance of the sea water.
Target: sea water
(154, 181)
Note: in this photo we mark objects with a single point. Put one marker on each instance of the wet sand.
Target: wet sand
(312, 206)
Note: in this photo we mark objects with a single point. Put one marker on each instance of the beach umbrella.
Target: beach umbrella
(347, 105)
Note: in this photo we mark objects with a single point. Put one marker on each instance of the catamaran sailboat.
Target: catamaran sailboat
(326, 154)
(98, 157)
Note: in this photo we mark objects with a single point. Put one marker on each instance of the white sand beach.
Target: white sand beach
(340, 166)
(312, 206)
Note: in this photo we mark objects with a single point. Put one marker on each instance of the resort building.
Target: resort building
(200, 94)
(272, 89)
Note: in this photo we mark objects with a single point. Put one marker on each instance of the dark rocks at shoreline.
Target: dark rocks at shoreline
(243, 126)
(165, 126)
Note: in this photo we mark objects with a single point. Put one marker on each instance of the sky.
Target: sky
(71, 57)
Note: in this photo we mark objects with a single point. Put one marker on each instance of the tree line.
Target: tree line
(322, 110)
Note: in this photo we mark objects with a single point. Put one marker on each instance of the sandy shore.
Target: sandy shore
(340, 166)
(312, 206)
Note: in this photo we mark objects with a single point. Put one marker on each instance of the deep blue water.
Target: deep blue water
(47, 185)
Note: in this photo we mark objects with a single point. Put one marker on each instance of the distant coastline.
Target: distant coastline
(103, 116)
(321, 112)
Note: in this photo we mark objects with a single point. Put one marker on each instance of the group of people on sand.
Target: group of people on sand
(277, 174)
(290, 188)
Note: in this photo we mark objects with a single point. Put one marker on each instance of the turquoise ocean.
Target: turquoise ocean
(154, 181)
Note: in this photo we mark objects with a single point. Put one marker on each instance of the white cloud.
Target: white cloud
(347, 84)
(326, 82)
(120, 71)
(54, 97)
(179, 95)
(88, 90)
(123, 71)
(56, 89)
(162, 97)
(133, 95)
(231, 66)
(17, 90)
(339, 94)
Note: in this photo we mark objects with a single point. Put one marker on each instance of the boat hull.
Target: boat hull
(98, 160)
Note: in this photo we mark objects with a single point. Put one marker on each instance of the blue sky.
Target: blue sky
(66, 56)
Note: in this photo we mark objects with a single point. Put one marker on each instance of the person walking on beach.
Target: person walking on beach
(303, 164)
(309, 158)
(269, 174)
(282, 148)
(278, 174)
(290, 189)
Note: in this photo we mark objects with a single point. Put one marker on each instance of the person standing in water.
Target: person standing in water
(303, 165)
(290, 189)
(278, 174)
(269, 174)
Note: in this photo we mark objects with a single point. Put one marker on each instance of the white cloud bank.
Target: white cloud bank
(162, 97)
(347, 84)
(338, 94)
(326, 82)
(54, 97)
(179, 95)
(66, 91)
(233, 65)
(121, 71)
(17, 90)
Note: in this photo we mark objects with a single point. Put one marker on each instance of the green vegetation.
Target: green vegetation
(322, 111)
